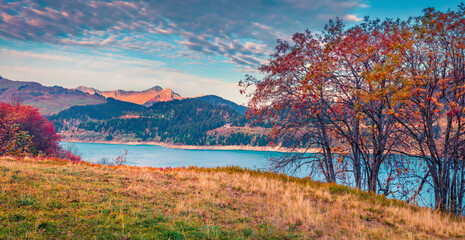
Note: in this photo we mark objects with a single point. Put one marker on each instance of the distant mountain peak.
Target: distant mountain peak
(201, 95)
(48, 99)
(156, 88)
(88, 90)
(219, 101)
(145, 97)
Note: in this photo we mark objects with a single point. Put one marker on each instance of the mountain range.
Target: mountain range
(155, 114)
(48, 100)
(147, 97)
(189, 121)
(52, 100)
(158, 94)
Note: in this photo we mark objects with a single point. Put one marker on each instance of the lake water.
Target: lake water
(156, 156)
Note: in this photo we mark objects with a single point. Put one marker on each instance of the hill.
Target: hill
(184, 121)
(112, 108)
(54, 199)
(146, 97)
(188, 121)
(219, 101)
(47, 99)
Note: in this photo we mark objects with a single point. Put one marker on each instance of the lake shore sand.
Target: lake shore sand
(193, 147)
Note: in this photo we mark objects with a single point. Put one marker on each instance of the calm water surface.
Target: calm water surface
(156, 156)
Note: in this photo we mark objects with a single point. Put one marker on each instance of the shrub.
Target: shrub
(24, 131)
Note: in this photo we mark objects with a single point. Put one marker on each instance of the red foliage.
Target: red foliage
(370, 93)
(66, 154)
(24, 131)
(44, 137)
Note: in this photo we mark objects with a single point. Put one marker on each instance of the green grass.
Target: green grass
(42, 201)
(54, 199)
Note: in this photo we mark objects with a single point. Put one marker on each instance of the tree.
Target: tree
(23, 131)
(43, 136)
(366, 94)
(434, 93)
(364, 72)
(13, 140)
(291, 95)
(332, 91)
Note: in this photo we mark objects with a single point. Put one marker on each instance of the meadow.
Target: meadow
(52, 198)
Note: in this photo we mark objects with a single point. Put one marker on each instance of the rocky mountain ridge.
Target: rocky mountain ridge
(146, 97)
(51, 100)
(48, 100)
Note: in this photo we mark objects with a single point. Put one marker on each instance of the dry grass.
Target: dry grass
(58, 199)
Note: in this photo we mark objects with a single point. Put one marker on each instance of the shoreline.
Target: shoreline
(194, 147)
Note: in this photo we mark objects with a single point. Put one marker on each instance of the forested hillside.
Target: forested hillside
(188, 121)
(218, 101)
(113, 108)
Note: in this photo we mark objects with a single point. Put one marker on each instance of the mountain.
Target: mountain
(218, 101)
(189, 121)
(146, 97)
(184, 121)
(112, 108)
(47, 99)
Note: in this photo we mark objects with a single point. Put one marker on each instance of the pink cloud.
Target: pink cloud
(352, 18)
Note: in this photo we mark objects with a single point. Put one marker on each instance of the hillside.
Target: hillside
(47, 99)
(112, 108)
(180, 121)
(45, 199)
(146, 97)
(187, 121)
(219, 101)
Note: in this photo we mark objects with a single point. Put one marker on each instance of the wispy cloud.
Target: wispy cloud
(225, 28)
(191, 43)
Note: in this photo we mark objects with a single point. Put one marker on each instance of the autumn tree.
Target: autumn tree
(373, 98)
(291, 97)
(365, 70)
(333, 91)
(434, 95)
(13, 140)
(42, 132)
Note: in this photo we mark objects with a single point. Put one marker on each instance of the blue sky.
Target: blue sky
(191, 46)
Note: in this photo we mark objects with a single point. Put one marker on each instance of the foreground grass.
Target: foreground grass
(43, 199)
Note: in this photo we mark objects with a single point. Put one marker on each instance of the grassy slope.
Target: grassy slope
(45, 199)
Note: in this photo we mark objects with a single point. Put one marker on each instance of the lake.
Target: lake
(157, 156)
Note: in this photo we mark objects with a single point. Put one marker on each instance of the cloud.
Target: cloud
(108, 72)
(223, 28)
(92, 42)
(352, 18)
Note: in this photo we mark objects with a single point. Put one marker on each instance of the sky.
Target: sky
(193, 47)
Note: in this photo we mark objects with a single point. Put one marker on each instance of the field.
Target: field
(50, 198)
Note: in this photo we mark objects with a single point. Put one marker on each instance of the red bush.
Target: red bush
(44, 137)
(66, 154)
(23, 130)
